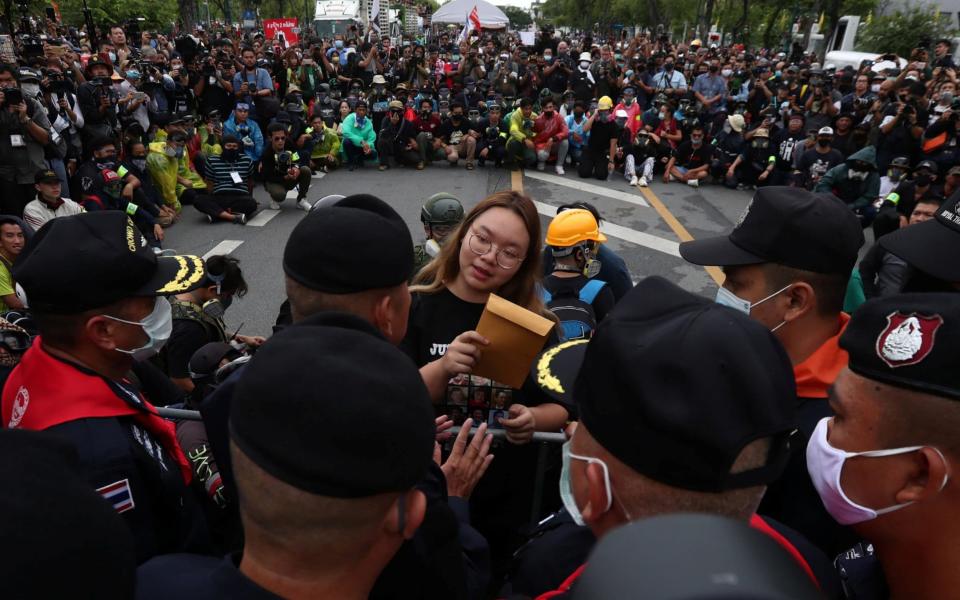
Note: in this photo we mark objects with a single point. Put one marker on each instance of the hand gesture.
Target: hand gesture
(520, 425)
(463, 353)
(467, 462)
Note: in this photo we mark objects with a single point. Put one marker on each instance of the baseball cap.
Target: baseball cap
(307, 436)
(46, 176)
(825, 131)
(90, 260)
(954, 170)
(909, 341)
(928, 165)
(206, 360)
(927, 246)
(692, 557)
(675, 386)
(788, 226)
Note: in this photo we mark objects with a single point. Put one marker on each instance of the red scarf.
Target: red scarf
(44, 391)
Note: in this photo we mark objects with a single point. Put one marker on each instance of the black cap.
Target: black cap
(359, 244)
(58, 537)
(206, 360)
(229, 138)
(692, 557)
(46, 176)
(908, 340)
(787, 226)
(93, 259)
(928, 246)
(928, 165)
(310, 411)
(556, 370)
(675, 386)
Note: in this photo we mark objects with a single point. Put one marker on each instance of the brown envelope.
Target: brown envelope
(516, 336)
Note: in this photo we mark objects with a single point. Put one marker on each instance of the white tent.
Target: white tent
(456, 12)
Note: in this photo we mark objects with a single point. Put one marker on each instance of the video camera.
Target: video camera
(284, 161)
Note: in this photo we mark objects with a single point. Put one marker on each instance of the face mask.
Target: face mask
(216, 308)
(726, 72)
(548, 57)
(170, 151)
(668, 67)
(825, 464)
(139, 162)
(627, 101)
(895, 174)
(338, 44)
(875, 88)
(230, 155)
(823, 142)
(923, 180)
(179, 152)
(696, 141)
(566, 487)
(777, 73)
(602, 115)
(663, 116)
(158, 326)
(578, 114)
(548, 114)
(113, 56)
(584, 65)
(714, 69)
(360, 121)
(30, 89)
(728, 298)
(946, 98)
(621, 122)
(856, 175)
(727, 127)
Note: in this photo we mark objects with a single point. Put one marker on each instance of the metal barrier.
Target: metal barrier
(539, 437)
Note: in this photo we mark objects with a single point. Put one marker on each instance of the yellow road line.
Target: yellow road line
(677, 228)
(516, 180)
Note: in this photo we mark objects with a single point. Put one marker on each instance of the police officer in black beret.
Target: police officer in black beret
(97, 294)
(684, 405)
(326, 469)
(787, 263)
(358, 275)
(885, 463)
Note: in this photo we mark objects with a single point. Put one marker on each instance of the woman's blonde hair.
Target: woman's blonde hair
(524, 287)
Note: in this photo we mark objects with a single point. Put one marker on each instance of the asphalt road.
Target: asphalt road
(643, 226)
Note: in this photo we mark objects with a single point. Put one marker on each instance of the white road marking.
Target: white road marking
(262, 218)
(318, 175)
(224, 247)
(590, 188)
(624, 233)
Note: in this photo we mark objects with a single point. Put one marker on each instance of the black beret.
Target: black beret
(359, 244)
(58, 537)
(675, 386)
(928, 246)
(908, 340)
(310, 411)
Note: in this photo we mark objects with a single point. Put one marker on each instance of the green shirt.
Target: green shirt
(6, 284)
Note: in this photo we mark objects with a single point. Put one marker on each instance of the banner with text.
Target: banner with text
(286, 26)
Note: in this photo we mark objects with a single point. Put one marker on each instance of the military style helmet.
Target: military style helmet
(901, 162)
(442, 209)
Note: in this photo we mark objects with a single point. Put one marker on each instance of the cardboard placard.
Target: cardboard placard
(516, 336)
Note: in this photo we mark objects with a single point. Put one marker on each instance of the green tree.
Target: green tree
(519, 18)
(901, 32)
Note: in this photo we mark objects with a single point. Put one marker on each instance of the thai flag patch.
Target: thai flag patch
(118, 494)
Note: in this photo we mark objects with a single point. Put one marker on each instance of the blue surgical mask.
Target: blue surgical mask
(338, 44)
(566, 487)
(728, 298)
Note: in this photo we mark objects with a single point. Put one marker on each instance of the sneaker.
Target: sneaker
(469, 166)
(274, 205)
(420, 166)
(209, 218)
(240, 219)
(633, 180)
(383, 167)
(303, 204)
(694, 183)
(560, 170)
(541, 166)
(642, 182)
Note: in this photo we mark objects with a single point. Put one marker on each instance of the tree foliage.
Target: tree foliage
(901, 32)
(519, 17)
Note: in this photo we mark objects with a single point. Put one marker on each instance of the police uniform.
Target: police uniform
(811, 232)
(313, 446)
(128, 453)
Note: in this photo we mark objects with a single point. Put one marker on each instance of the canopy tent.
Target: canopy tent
(456, 12)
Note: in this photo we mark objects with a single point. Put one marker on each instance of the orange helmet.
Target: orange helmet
(572, 227)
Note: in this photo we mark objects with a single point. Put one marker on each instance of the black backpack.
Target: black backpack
(577, 319)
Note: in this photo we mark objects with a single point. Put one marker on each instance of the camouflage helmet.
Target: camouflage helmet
(442, 208)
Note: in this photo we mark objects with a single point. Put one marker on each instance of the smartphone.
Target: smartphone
(12, 96)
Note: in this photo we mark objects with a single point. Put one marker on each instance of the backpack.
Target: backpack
(577, 319)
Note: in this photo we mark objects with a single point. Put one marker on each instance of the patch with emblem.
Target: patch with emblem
(118, 494)
(907, 339)
(20, 403)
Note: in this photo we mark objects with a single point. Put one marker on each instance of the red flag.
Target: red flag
(475, 19)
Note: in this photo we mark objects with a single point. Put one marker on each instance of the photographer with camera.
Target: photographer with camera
(24, 131)
(325, 149)
(280, 171)
(252, 84)
(820, 101)
(97, 101)
(902, 125)
(492, 144)
(132, 101)
(389, 139)
(212, 86)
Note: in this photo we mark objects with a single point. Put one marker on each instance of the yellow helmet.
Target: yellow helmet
(572, 227)
(696, 42)
(604, 103)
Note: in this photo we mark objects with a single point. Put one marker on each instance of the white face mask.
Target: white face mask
(825, 465)
(30, 89)
(728, 298)
(584, 65)
(857, 175)
(726, 72)
(875, 88)
(566, 487)
(158, 326)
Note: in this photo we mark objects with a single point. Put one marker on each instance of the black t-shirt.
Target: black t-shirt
(601, 132)
(814, 165)
(689, 157)
(785, 145)
(454, 134)
(187, 337)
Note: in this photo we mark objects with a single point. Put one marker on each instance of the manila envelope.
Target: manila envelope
(516, 336)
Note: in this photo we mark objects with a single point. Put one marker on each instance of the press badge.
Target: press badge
(236, 177)
(16, 140)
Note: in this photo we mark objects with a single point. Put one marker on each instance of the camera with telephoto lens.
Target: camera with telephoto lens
(284, 161)
(493, 132)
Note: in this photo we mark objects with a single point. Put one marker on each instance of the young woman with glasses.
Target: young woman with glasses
(496, 249)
